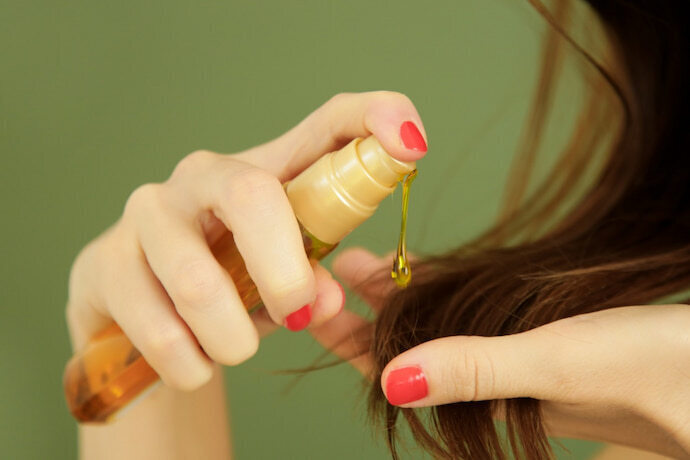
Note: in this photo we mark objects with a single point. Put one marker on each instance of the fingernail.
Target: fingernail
(411, 137)
(342, 293)
(298, 320)
(405, 385)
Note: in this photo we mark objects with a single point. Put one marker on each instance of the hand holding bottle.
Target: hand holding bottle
(153, 272)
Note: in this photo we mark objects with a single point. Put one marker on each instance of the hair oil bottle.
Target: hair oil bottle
(330, 198)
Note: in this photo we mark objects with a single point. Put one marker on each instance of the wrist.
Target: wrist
(167, 424)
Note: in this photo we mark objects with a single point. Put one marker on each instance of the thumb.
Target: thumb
(601, 357)
(464, 368)
(390, 116)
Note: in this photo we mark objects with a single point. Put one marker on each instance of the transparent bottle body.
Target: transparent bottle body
(110, 373)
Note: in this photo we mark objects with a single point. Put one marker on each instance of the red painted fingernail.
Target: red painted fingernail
(342, 292)
(298, 320)
(405, 385)
(411, 137)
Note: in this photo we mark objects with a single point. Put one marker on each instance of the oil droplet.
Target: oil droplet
(402, 272)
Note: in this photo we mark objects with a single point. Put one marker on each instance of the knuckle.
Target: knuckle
(320, 118)
(192, 163)
(90, 270)
(197, 284)
(250, 186)
(165, 347)
(455, 386)
(239, 352)
(484, 376)
(393, 96)
(289, 289)
(338, 99)
(72, 317)
(79, 268)
(144, 197)
(391, 99)
(472, 374)
(186, 384)
(163, 343)
(191, 378)
(464, 376)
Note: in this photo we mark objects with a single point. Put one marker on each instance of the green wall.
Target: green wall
(97, 97)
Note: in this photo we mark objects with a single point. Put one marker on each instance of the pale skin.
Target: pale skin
(618, 375)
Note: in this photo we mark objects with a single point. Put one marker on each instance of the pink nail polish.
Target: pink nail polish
(298, 320)
(405, 385)
(411, 137)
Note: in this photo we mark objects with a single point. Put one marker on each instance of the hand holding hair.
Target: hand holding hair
(618, 375)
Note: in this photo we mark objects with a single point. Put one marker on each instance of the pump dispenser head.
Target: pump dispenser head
(343, 189)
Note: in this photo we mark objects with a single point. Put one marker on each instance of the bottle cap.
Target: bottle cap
(342, 189)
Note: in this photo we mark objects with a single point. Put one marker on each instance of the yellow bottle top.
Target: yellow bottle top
(342, 189)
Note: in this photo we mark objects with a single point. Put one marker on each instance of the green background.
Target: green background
(99, 97)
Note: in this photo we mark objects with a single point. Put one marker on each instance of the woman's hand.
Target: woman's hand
(619, 375)
(153, 271)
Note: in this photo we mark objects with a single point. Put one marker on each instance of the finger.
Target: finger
(144, 312)
(263, 323)
(581, 359)
(84, 321)
(367, 274)
(330, 300)
(253, 206)
(453, 369)
(348, 336)
(330, 297)
(390, 116)
(85, 314)
(201, 290)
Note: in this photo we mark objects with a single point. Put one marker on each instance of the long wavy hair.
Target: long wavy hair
(624, 240)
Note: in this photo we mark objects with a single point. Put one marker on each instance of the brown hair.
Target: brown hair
(625, 240)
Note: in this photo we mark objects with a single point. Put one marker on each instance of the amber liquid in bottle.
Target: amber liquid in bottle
(110, 373)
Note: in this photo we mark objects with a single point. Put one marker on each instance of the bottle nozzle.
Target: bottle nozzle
(342, 189)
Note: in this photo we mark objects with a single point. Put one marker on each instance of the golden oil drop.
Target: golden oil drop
(402, 273)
